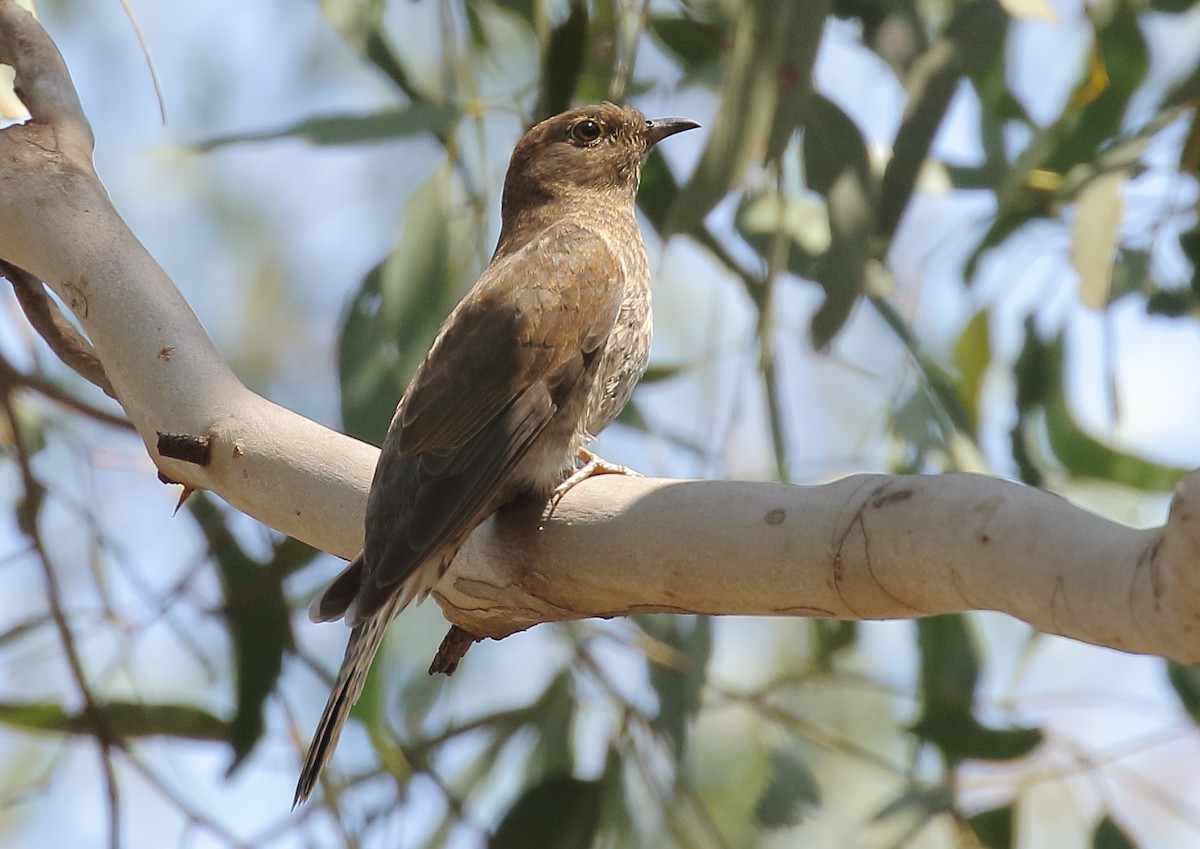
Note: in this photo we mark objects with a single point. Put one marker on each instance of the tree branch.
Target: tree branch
(865, 547)
(57, 223)
(868, 547)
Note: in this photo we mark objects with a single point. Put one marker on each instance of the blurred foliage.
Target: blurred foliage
(787, 192)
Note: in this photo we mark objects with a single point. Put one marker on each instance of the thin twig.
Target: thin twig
(11, 376)
(92, 713)
(68, 344)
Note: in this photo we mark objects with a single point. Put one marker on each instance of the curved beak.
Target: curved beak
(660, 128)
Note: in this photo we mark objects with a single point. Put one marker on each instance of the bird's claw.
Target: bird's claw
(592, 465)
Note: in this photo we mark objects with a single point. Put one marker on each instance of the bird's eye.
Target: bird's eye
(586, 131)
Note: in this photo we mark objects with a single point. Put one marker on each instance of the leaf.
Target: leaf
(949, 663)
(837, 165)
(971, 40)
(695, 45)
(1095, 237)
(831, 637)
(791, 790)
(995, 828)
(1185, 680)
(124, 720)
(557, 813)
(1117, 66)
(360, 25)
(1189, 243)
(351, 129)
(1189, 154)
(1085, 456)
(926, 802)
(553, 715)
(679, 683)
(949, 675)
(768, 71)
(1109, 835)
(259, 626)
(833, 145)
(394, 316)
(804, 221)
(1034, 10)
(1131, 274)
(563, 61)
(524, 9)
(972, 356)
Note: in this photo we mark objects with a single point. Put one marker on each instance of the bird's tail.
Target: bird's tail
(365, 641)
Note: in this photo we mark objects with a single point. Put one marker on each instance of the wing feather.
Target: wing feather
(505, 362)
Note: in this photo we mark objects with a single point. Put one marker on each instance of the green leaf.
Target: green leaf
(259, 626)
(563, 61)
(554, 713)
(830, 638)
(949, 663)
(1079, 453)
(766, 81)
(791, 790)
(658, 191)
(995, 828)
(923, 801)
(695, 45)
(802, 219)
(526, 10)
(679, 685)
(352, 129)
(558, 813)
(123, 720)
(1109, 835)
(394, 316)
(1131, 273)
(837, 165)
(972, 356)
(972, 38)
(833, 145)
(1172, 6)
(949, 675)
(1185, 680)
(360, 25)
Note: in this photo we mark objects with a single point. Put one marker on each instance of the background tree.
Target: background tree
(1009, 287)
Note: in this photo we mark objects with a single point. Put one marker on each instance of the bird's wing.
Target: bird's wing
(506, 360)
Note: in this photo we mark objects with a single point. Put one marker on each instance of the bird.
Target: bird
(540, 355)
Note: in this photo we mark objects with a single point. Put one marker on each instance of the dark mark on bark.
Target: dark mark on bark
(888, 499)
(182, 446)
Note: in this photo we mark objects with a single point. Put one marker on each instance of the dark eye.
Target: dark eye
(586, 131)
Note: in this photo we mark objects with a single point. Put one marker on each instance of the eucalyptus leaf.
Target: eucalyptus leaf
(256, 612)
(394, 316)
(558, 813)
(351, 129)
(791, 790)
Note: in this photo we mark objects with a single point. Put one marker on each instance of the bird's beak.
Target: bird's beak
(660, 128)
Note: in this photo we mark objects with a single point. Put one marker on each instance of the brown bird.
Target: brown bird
(537, 359)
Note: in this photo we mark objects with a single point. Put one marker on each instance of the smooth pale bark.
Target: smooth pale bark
(868, 547)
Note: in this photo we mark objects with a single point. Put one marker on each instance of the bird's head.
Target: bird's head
(584, 152)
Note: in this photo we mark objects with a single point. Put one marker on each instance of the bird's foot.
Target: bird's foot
(592, 465)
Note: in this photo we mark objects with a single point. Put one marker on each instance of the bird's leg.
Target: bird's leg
(592, 465)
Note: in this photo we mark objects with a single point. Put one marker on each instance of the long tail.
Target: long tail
(365, 641)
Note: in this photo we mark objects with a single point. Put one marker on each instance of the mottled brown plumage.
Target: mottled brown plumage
(537, 359)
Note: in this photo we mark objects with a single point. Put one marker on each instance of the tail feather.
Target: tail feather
(365, 641)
